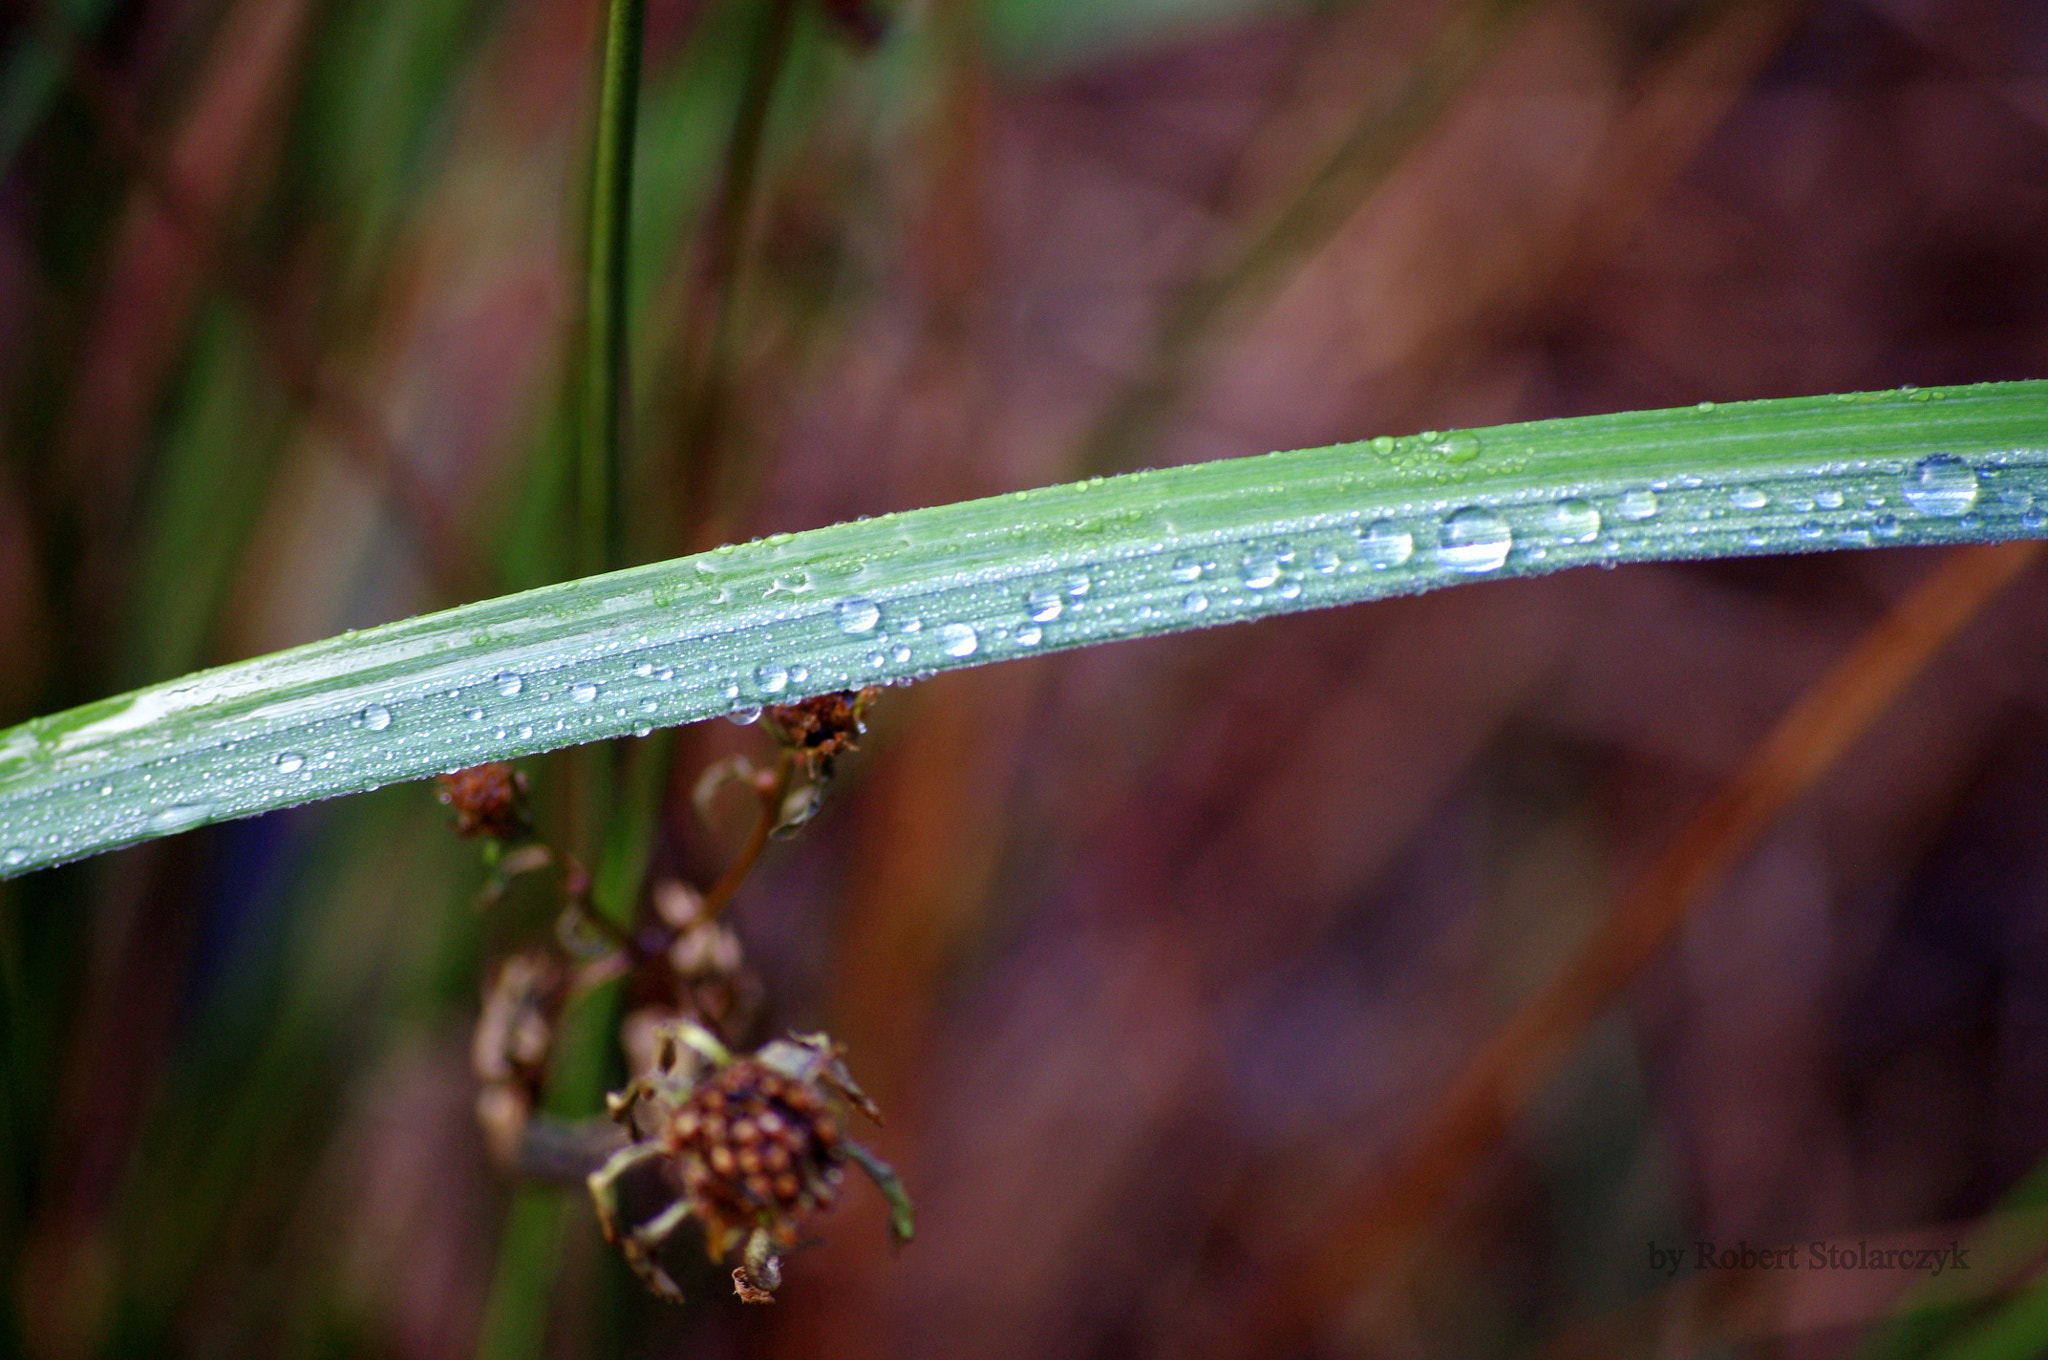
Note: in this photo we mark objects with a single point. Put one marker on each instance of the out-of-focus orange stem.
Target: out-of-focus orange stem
(1481, 1103)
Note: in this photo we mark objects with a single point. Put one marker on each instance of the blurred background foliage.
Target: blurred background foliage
(1153, 954)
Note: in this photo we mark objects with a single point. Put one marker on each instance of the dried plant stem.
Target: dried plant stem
(1377, 146)
(772, 792)
(1495, 1085)
(704, 493)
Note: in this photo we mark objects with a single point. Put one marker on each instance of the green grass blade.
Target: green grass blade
(905, 595)
(600, 510)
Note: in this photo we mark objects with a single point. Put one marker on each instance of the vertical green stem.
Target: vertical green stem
(524, 1293)
(601, 450)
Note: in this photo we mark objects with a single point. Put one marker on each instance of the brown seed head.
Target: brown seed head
(762, 1149)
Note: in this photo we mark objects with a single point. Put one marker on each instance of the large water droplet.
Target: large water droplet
(1573, 520)
(1043, 606)
(1185, 570)
(772, 679)
(290, 762)
(1828, 500)
(475, 715)
(1385, 544)
(508, 684)
(901, 654)
(859, 616)
(14, 856)
(179, 817)
(743, 717)
(1944, 486)
(1195, 602)
(1325, 561)
(1261, 570)
(958, 639)
(1078, 585)
(1030, 635)
(1474, 540)
(376, 717)
(583, 691)
(1638, 503)
(1460, 446)
(1748, 498)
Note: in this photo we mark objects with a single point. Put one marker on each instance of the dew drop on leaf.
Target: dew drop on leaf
(1639, 503)
(1943, 485)
(179, 817)
(959, 639)
(858, 616)
(1573, 520)
(1261, 570)
(1474, 540)
(1386, 544)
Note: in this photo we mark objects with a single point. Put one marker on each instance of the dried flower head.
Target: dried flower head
(822, 727)
(489, 800)
(708, 978)
(751, 1146)
(514, 1035)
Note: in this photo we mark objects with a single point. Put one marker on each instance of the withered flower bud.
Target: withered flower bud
(822, 727)
(509, 1051)
(489, 800)
(516, 1030)
(707, 966)
(753, 1145)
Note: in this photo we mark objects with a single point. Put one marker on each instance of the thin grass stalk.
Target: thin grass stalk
(601, 453)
